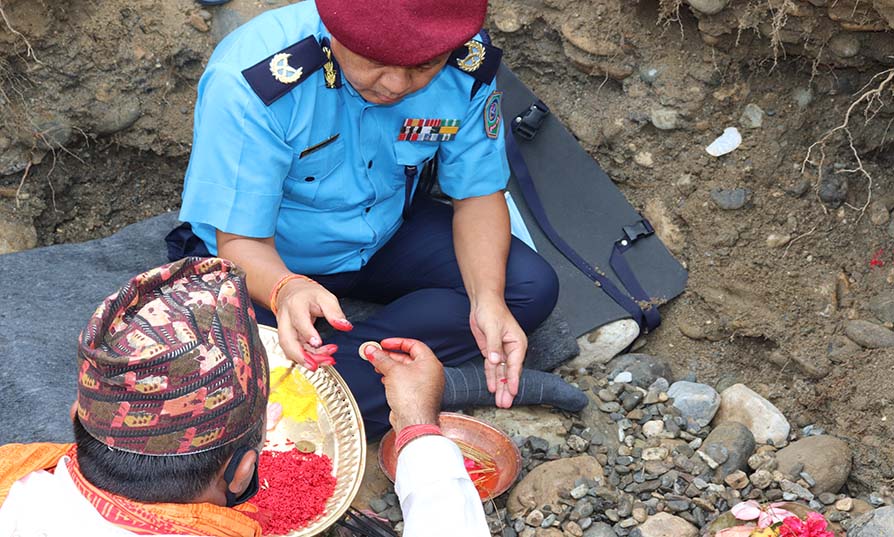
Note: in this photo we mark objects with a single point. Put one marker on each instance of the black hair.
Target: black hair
(153, 479)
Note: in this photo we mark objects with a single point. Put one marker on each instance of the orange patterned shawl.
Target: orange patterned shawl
(18, 460)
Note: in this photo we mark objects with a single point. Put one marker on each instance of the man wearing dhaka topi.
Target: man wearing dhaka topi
(168, 425)
(313, 125)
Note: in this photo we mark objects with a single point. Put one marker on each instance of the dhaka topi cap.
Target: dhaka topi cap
(402, 32)
(172, 363)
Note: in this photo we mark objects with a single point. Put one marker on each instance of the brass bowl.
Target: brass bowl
(475, 433)
(338, 432)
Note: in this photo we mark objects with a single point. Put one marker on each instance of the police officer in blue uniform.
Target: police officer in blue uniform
(312, 125)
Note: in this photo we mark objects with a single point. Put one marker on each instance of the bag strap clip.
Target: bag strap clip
(529, 122)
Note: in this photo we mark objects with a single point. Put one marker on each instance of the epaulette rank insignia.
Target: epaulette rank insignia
(478, 59)
(275, 76)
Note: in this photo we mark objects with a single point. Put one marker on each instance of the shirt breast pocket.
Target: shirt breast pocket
(307, 174)
(411, 154)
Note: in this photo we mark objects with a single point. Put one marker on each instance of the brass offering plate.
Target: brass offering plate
(337, 432)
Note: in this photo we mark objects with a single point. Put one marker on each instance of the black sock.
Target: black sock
(466, 387)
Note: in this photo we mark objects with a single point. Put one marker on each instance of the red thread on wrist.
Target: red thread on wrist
(274, 293)
(413, 432)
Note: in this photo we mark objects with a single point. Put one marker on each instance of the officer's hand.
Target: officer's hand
(503, 344)
(413, 379)
(299, 303)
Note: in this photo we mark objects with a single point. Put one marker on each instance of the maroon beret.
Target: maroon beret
(402, 32)
(172, 363)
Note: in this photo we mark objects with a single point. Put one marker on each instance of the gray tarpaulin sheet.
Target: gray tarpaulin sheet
(588, 211)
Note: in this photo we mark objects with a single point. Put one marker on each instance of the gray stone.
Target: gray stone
(696, 401)
(825, 458)
(795, 489)
(116, 117)
(733, 438)
(55, 132)
(708, 7)
(869, 335)
(882, 306)
(604, 343)
(378, 505)
(393, 514)
(643, 369)
(730, 199)
(740, 404)
(610, 407)
(665, 119)
(841, 349)
(583, 509)
(631, 400)
(845, 45)
(649, 74)
(716, 452)
(579, 491)
(752, 117)
(833, 189)
(600, 529)
(660, 386)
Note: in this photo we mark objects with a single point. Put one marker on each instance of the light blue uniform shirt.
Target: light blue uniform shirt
(331, 210)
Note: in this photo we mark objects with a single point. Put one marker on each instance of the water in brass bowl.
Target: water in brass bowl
(475, 433)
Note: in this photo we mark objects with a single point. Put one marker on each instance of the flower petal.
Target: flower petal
(746, 510)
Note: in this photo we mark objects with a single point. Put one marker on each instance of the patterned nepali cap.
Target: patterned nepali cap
(172, 363)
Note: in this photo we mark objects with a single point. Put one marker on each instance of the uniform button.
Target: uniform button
(369, 164)
(310, 179)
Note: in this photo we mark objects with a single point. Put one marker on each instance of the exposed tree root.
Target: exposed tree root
(872, 101)
(29, 48)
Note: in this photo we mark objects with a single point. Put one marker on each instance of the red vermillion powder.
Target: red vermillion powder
(294, 489)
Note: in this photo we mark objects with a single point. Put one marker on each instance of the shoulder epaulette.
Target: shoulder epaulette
(275, 76)
(479, 60)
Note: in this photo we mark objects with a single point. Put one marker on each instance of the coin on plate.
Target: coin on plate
(305, 446)
(363, 347)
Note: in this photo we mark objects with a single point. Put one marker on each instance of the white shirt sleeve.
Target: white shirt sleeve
(436, 495)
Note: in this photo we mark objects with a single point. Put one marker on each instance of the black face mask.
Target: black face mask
(230, 472)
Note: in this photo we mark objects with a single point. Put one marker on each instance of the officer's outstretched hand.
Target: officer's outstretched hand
(299, 303)
(503, 344)
(413, 379)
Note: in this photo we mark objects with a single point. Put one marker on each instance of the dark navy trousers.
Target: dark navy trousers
(417, 278)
